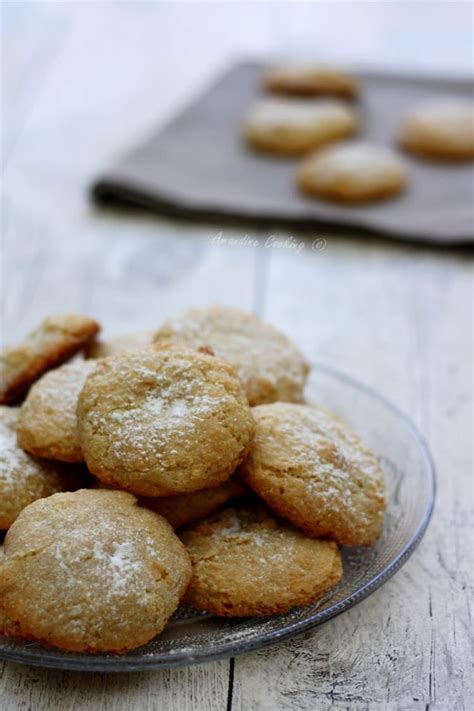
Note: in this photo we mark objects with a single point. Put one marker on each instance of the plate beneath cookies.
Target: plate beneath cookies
(193, 637)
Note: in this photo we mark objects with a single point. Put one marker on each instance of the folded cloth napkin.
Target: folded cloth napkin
(199, 166)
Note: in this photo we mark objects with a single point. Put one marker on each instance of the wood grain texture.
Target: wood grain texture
(92, 78)
(386, 315)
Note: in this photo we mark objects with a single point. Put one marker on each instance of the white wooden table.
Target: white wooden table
(82, 81)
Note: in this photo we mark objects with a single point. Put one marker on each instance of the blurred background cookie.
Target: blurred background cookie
(47, 421)
(163, 420)
(310, 80)
(270, 366)
(246, 563)
(441, 129)
(55, 340)
(352, 173)
(310, 468)
(23, 478)
(294, 127)
(98, 348)
(92, 571)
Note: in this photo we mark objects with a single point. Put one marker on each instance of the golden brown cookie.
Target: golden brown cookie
(163, 420)
(7, 626)
(47, 422)
(312, 469)
(23, 478)
(92, 571)
(119, 344)
(55, 340)
(293, 127)
(352, 173)
(184, 509)
(246, 563)
(310, 80)
(269, 364)
(441, 130)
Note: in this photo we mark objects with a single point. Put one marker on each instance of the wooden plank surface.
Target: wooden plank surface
(410, 644)
(91, 78)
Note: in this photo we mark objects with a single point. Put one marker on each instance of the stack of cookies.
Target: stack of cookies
(177, 465)
(309, 110)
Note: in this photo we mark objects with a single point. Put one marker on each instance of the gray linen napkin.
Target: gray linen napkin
(198, 166)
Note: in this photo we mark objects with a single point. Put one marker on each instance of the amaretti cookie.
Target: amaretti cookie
(92, 571)
(163, 420)
(7, 627)
(246, 563)
(269, 364)
(312, 469)
(99, 348)
(310, 80)
(352, 173)
(23, 478)
(184, 509)
(294, 127)
(47, 421)
(441, 129)
(55, 340)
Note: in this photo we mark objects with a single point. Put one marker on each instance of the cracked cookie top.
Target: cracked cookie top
(246, 562)
(57, 338)
(312, 469)
(47, 422)
(164, 420)
(23, 478)
(269, 364)
(90, 571)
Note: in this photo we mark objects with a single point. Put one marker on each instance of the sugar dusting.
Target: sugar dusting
(323, 453)
(232, 525)
(16, 466)
(255, 349)
(103, 559)
(164, 413)
(120, 566)
(298, 112)
(104, 555)
(362, 163)
(60, 388)
(11, 456)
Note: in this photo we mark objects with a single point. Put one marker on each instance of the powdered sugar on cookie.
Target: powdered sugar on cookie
(164, 420)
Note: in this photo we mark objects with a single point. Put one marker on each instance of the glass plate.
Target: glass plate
(193, 637)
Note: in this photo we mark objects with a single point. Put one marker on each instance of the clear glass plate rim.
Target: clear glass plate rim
(168, 660)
